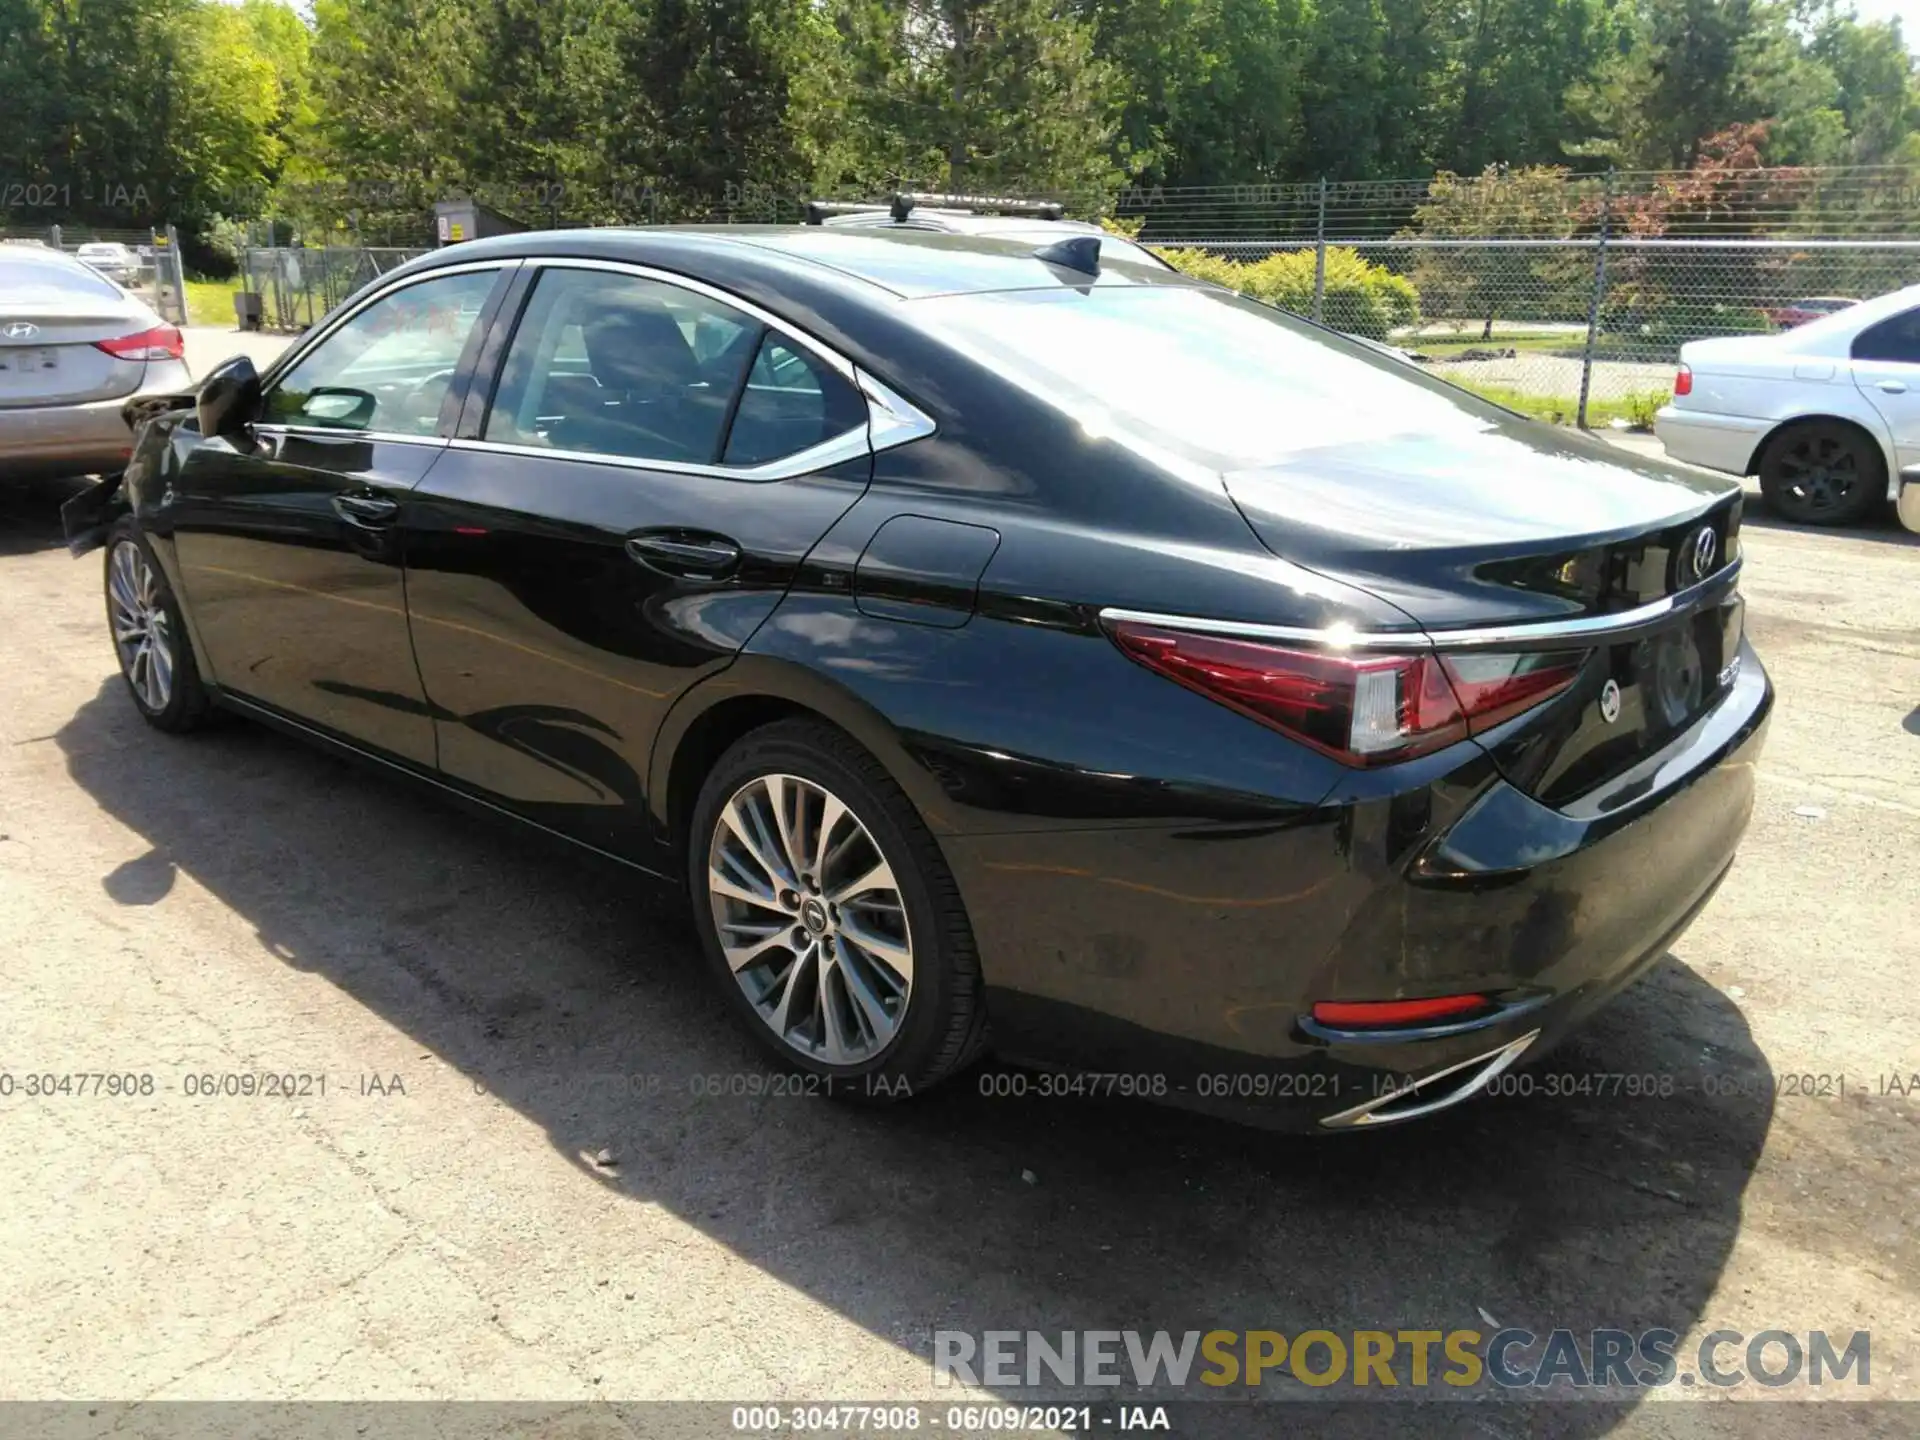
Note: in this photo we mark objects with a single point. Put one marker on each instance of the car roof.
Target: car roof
(906, 263)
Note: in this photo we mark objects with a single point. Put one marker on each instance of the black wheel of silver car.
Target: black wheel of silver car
(1823, 473)
(149, 636)
(832, 920)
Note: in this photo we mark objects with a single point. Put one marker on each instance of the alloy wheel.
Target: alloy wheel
(810, 919)
(142, 634)
(1819, 472)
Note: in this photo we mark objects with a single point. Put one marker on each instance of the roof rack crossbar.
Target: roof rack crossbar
(905, 200)
(819, 210)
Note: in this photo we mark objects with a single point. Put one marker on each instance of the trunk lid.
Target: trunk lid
(48, 354)
(1516, 526)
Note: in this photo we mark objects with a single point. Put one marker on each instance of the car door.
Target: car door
(1886, 367)
(655, 461)
(287, 538)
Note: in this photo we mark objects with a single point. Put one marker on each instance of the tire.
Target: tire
(1823, 472)
(822, 1028)
(149, 636)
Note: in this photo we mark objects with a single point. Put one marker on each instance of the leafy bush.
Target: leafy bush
(1361, 298)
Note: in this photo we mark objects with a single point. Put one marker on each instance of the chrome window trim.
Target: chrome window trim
(850, 445)
(891, 419)
(331, 432)
(1526, 634)
(319, 337)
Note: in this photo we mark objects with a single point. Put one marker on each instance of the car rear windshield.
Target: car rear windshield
(38, 281)
(1212, 378)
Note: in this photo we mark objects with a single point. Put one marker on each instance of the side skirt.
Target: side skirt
(438, 785)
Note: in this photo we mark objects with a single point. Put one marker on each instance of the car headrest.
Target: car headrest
(639, 348)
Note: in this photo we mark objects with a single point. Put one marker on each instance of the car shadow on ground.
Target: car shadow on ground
(30, 511)
(1883, 529)
(546, 978)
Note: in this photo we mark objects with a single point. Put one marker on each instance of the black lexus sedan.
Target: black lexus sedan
(1002, 646)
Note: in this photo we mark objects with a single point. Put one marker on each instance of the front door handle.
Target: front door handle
(686, 553)
(362, 508)
(1892, 387)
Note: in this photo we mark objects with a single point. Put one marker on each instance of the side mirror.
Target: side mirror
(340, 405)
(230, 398)
(1909, 506)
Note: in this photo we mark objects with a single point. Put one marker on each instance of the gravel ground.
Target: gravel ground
(477, 1206)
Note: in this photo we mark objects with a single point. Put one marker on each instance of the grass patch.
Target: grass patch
(1636, 409)
(210, 302)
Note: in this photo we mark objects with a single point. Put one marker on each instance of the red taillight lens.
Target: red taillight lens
(1374, 1014)
(1492, 688)
(1362, 709)
(1683, 382)
(162, 342)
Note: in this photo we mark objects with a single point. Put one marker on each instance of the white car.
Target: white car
(1826, 414)
(115, 261)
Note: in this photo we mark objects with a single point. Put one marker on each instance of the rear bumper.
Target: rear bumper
(1717, 442)
(78, 438)
(1190, 960)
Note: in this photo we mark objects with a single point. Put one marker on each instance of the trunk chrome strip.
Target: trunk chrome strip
(1527, 634)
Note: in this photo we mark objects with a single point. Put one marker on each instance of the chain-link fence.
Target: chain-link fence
(1564, 296)
(297, 285)
(146, 263)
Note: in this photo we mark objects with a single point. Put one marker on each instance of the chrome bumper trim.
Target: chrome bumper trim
(1393, 1107)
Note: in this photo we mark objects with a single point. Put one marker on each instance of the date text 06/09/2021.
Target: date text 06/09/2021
(971, 1419)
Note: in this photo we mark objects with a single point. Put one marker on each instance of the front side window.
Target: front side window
(388, 368)
(1896, 339)
(613, 364)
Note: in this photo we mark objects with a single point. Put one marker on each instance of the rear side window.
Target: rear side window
(605, 363)
(792, 402)
(1896, 339)
(612, 364)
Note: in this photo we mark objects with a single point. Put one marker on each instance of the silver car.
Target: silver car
(74, 348)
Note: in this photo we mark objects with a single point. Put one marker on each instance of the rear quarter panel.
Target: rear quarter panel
(1777, 385)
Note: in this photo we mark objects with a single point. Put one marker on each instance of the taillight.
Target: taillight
(1683, 381)
(162, 342)
(1496, 687)
(1361, 709)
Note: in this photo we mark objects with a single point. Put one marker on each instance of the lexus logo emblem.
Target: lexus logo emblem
(1610, 701)
(21, 330)
(1701, 551)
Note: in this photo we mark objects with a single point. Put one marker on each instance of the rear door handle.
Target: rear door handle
(362, 508)
(1892, 387)
(691, 554)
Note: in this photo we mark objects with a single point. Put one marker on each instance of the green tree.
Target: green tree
(391, 82)
(991, 95)
(1877, 87)
(1483, 282)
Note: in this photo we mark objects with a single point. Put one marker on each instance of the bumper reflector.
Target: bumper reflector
(1376, 1014)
